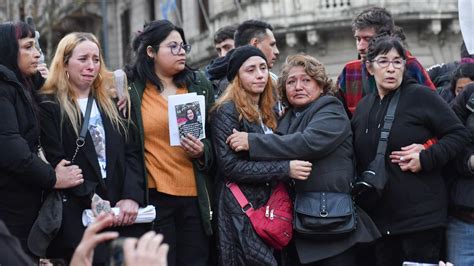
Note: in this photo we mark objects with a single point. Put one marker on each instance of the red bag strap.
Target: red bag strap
(245, 205)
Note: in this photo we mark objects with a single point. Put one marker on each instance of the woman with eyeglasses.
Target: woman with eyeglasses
(178, 177)
(412, 211)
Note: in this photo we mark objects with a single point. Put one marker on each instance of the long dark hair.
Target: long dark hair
(10, 33)
(153, 34)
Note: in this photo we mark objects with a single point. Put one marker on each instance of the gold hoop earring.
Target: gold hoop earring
(67, 75)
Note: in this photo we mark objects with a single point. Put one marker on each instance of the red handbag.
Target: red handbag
(273, 222)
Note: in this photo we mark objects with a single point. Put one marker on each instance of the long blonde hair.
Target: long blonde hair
(243, 103)
(58, 84)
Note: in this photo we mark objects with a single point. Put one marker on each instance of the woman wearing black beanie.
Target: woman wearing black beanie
(246, 105)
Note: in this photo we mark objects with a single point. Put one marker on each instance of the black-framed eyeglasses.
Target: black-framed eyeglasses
(384, 63)
(176, 48)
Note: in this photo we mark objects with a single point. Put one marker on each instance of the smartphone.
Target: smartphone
(116, 252)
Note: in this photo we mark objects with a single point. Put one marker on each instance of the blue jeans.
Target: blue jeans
(460, 242)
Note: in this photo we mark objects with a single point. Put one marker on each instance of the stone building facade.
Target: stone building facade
(317, 27)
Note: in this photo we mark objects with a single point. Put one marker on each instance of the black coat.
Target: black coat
(11, 252)
(237, 242)
(320, 133)
(411, 202)
(217, 73)
(124, 177)
(460, 177)
(23, 174)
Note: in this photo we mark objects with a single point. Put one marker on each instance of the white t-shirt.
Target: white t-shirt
(96, 129)
(266, 130)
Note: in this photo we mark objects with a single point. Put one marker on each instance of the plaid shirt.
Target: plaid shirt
(354, 76)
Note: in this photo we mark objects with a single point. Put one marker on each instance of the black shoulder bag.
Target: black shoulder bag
(374, 178)
(324, 215)
(49, 220)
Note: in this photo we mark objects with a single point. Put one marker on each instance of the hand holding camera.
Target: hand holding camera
(84, 253)
(148, 250)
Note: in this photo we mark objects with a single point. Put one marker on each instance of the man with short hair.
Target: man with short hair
(256, 33)
(354, 82)
(224, 40)
(216, 71)
(259, 34)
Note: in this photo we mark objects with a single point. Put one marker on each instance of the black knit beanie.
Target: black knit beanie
(239, 56)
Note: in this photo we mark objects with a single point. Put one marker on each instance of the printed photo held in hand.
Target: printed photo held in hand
(189, 120)
(186, 115)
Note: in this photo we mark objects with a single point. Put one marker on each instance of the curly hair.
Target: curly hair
(378, 18)
(312, 67)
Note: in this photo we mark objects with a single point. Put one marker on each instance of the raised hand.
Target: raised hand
(148, 250)
(84, 252)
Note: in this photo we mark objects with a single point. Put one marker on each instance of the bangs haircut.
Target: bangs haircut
(10, 34)
(383, 44)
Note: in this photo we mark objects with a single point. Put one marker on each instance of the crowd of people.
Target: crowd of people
(70, 143)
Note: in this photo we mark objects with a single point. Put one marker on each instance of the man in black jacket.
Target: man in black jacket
(216, 71)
